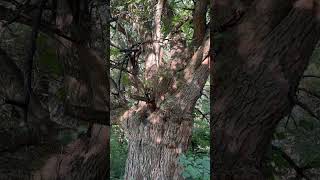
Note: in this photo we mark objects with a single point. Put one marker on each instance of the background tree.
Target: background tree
(265, 48)
(55, 98)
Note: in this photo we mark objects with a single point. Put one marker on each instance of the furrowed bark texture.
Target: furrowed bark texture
(86, 99)
(158, 136)
(159, 128)
(155, 143)
(256, 75)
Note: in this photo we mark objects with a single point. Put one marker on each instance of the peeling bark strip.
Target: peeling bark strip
(256, 75)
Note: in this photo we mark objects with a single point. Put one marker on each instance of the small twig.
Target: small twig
(290, 116)
(202, 114)
(311, 76)
(113, 66)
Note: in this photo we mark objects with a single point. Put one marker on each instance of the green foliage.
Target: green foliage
(118, 153)
(125, 79)
(196, 160)
(196, 167)
(114, 52)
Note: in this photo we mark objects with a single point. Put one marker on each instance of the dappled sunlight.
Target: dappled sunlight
(175, 85)
(178, 150)
(154, 118)
(169, 88)
(158, 140)
(206, 61)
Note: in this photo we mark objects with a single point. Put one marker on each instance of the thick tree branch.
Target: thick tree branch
(199, 57)
(153, 57)
(199, 21)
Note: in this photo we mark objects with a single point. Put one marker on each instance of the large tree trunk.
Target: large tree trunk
(159, 126)
(159, 131)
(158, 135)
(155, 143)
(256, 76)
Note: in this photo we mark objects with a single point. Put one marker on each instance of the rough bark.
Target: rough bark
(155, 142)
(87, 157)
(87, 98)
(159, 132)
(159, 127)
(153, 58)
(14, 140)
(256, 75)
